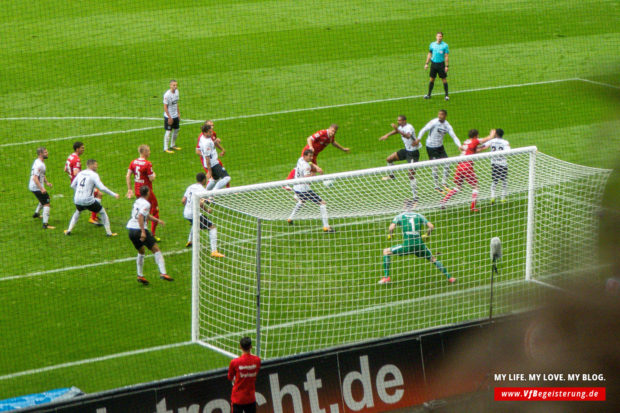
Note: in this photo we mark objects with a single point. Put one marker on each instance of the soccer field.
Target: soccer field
(269, 73)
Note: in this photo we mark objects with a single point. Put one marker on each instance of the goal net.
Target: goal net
(295, 288)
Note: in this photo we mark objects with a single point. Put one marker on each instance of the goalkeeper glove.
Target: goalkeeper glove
(389, 236)
(424, 237)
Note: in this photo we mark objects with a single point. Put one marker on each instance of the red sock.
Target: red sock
(474, 196)
(449, 195)
(93, 216)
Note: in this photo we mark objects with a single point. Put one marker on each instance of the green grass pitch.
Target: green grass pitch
(544, 72)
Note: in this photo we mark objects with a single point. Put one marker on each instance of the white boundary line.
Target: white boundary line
(599, 83)
(281, 112)
(93, 360)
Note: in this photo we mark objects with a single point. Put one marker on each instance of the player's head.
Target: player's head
(210, 122)
(245, 343)
(442, 114)
(207, 129)
(173, 85)
(331, 131)
(499, 132)
(308, 154)
(78, 147)
(144, 191)
(144, 151)
(439, 37)
(473, 133)
(42, 152)
(201, 178)
(409, 204)
(92, 164)
(402, 120)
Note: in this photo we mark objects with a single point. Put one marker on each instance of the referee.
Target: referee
(438, 54)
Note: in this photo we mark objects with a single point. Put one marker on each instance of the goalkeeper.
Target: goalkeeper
(412, 224)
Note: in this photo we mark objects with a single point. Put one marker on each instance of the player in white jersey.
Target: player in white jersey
(411, 152)
(84, 186)
(172, 117)
(142, 237)
(188, 214)
(436, 129)
(499, 164)
(37, 184)
(217, 175)
(303, 192)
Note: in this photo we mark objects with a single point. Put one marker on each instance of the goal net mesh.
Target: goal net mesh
(320, 289)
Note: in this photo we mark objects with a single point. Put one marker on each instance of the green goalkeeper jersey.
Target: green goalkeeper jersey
(412, 224)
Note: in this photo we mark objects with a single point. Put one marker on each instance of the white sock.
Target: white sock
(435, 177)
(175, 133)
(140, 264)
(414, 188)
(159, 259)
(298, 205)
(446, 172)
(211, 184)
(390, 163)
(166, 140)
(74, 220)
(323, 209)
(105, 220)
(46, 214)
(504, 189)
(493, 185)
(36, 211)
(222, 182)
(191, 233)
(213, 239)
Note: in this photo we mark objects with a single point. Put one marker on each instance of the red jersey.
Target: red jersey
(142, 169)
(470, 146)
(244, 370)
(320, 140)
(73, 162)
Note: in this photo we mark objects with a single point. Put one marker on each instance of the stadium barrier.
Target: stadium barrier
(376, 376)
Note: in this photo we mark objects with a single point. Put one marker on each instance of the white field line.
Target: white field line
(281, 112)
(93, 360)
(598, 83)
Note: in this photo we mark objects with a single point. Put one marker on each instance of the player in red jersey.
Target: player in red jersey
(73, 166)
(142, 169)
(465, 170)
(218, 144)
(319, 141)
(243, 370)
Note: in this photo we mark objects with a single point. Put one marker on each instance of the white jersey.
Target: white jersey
(172, 100)
(302, 170)
(436, 131)
(84, 186)
(408, 128)
(140, 207)
(207, 150)
(498, 144)
(189, 195)
(38, 169)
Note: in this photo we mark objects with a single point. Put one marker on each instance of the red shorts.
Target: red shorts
(465, 171)
(152, 199)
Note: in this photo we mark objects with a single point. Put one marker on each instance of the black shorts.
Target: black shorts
(218, 171)
(175, 123)
(436, 153)
(309, 196)
(134, 236)
(244, 408)
(204, 222)
(94, 207)
(409, 156)
(44, 198)
(438, 69)
(499, 172)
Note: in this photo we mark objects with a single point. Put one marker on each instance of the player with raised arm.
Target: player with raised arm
(317, 142)
(217, 176)
(84, 185)
(172, 117)
(410, 153)
(465, 170)
(73, 166)
(303, 192)
(141, 237)
(499, 164)
(217, 142)
(36, 185)
(416, 229)
(188, 214)
(436, 129)
(142, 169)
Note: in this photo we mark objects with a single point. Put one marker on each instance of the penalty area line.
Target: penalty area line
(94, 360)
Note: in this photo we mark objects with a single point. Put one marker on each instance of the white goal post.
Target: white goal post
(294, 287)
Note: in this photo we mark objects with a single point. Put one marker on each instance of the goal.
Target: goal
(295, 288)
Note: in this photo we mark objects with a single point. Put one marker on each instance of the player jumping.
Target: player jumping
(217, 142)
(216, 174)
(499, 164)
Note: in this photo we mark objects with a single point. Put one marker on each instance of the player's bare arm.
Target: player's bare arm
(337, 145)
(168, 114)
(35, 178)
(153, 219)
(219, 146)
(447, 58)
(128, 180)
(152, 177)
(428, 58)
(142, 230)
(391, 230)
(387, 135)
